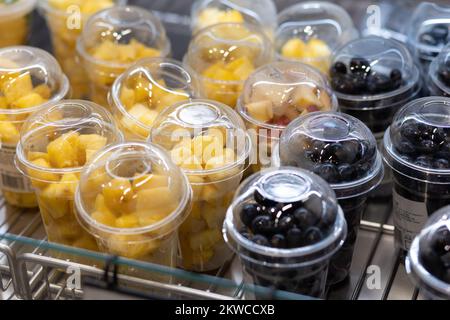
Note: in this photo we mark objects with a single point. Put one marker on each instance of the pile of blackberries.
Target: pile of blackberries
(435, 253)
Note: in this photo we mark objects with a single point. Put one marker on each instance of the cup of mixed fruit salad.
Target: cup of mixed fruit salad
(310, 31)
(132, 199)
(115, 38)
(439, 74)
(285, 225)
(427, 262)
(276, 94)
(55, 143)
(15, 21)
(65, 20)
(208, 141)
(343, 151)
(224, 55)
(145, 89)
(30, 78)
(417, 149)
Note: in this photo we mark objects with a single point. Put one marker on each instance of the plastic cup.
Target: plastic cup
(428, 32)
(343, 151)
(30, 78)
(224, 55)
(439, 74)
(115, 38)
(144, 90)
(206, 13)
(65, 20)
(208, 141)
(14, 21)
(417, 149)
(276, 94)
(55, 144)
(132, 199)
(427, 260)
(310, 31)
(285, 225)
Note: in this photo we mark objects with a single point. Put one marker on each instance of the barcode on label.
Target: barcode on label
(13, 182)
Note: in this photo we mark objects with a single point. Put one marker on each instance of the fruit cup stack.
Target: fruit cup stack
(224, 55)
(29, 79)
(14, 21)
(276, 94)
(55, 144)
(144, 90)
(439, 74)
(113, 40)
(65, 19)
(209, 142)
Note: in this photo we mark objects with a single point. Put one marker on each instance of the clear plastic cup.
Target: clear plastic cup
(30, 78)
(427, 261)
(285, 225)
(115, 38)
(428, 32)
(208, 141)
(65, 20)
(310, 31)
(14, 22)
(55, 144)
(145, 89)
(132, 199)
(439, 74)
(224, 55)
(276, 94)
(417, 149)
(205, 13)
(343, 151)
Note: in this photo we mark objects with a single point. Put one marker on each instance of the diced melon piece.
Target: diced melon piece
(44, 91)
(40, 178)
(293, 48)
(119, 195)
(17, 87)
(260, 110)
(63, 151)
(8, 132)
(150, 181)
(127, 221)
(205, 239)
(149, 199)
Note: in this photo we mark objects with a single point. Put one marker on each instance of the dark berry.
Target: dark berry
(441, 164)
(410, 131)
(338, 68)
(278, 241)
(363, 169)
(248, 213)
(262, 225)
(440, 241)
(312, 235)
(353, 150)
(439, 32)
(427, 146)
(406, 147)
(260, 239)
(438, 136)
(360, 65)
(341, 154)
(327, 171)
(285, 223)
(379, 83)
(294, 238)
(328, 218)
(428, 39)
(263, 200)
(347, 172)
(305, 218)
(423, 161)
(396, 75)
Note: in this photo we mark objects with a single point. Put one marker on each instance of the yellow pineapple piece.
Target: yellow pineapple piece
(209, 193)
(219, 133)
(318, 48)
(170, 99)
(191, 163)
(70, 182)
(106, 218)
(201, 144)
(148, 218)
(241, 68)
(202, 257)
(17, 87)
(131, 248)
(150, 199)
(8, 133)
(34, 155)
(106, 51)
(214, 215)
(205, 239)
(63, 151)
(30, 100)
(127, 97)
(219, 71)
(119, 195)
(97, 179)
(89, 144)
(305, 97)
(127, 53)
(142, 89)
(86, 242)
(3, 103)
(294, 49)
(44, 91)
(91, 7)
(55, 199)
(197, 184)
(127, 221)
(260, 110)
(101, 207)
(150, 181)
(40, 178)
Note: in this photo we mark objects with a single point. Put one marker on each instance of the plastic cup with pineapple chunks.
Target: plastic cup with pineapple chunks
(55, 144)
(208, 141)
(65, 19)
(276, 94)
(115, 38)
(14, 21)
(30, 78)
(310, 31)
(132, 199)
(224, 55)
(144, 90)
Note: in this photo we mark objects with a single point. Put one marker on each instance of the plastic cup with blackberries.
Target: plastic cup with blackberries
(417, 149)
(428, 260)
(439, 74)
(342, 150)
(285, 225)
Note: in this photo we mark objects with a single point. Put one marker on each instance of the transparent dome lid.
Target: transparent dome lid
(285, 212)
(428, 261)
(440, 70)
(203, 137)
(279, 92)
(146, 88)
(10, 9)
(373, 68)
(29, 78)
(418, 142)
(205, 13)
(122, 35)
(335, 146)
(132, 188)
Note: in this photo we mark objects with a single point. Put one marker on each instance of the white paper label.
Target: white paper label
(409, 218)
(10, 178)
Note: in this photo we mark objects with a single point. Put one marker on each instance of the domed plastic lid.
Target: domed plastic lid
(279, 92)
(418, 142)
(205, 13)
(203, 137)
(428, 261)
(440, 71)
(10, 9)
(132, 188)
(146, 88)
(285, 213)
(122, 35)
(373, 68)
(335, 146)
(29, 78)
